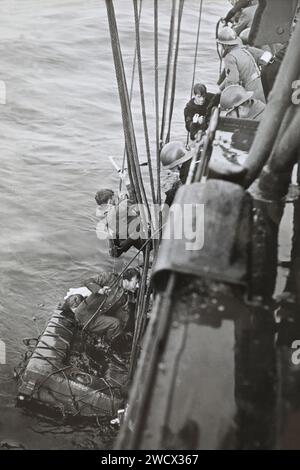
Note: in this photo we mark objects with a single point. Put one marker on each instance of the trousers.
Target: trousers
(104, 325)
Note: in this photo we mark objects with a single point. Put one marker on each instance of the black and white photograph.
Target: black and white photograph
(150, 228)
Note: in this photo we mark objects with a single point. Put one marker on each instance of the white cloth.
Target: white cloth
(84, 291)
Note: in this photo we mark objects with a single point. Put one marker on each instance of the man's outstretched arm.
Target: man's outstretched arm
(237, 7)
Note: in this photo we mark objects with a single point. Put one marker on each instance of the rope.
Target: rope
(121, 274)
(75, 400)
(141, 390)
(44, 358)
(137, 254)
(130, 94)
(217, 45)
(207, 146)
(168, 67)
(142, 95)
(195, 56)
(145, 378)
(180, 11)
(156, 87)
(140, 313)
(58, 371)
(197, 46)
(130, 140)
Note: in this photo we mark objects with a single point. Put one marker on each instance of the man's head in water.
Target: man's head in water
(200, 92)
(131, 278)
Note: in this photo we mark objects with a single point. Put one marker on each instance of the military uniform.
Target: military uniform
(241, 69)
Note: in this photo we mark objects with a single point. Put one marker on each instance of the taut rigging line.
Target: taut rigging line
(130, 140)
(142, 95)
(173, 90)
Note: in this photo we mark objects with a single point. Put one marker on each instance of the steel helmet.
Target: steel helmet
(173, 154)
(228, 36)
(233, 96)
(244, 35)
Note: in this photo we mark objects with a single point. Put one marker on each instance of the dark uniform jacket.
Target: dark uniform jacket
(192, 108)
(117, 303)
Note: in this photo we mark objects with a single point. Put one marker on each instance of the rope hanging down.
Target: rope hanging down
(217, 45)
(130, 140)
(156, 89)
(197, 46)
(168, 68)
(140, 313)
(142, 94)
(180, 11)
(130, 95)
(196, 55)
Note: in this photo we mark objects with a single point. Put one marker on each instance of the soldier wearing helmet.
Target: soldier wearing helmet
(241, 63)
(237, 102)
(244, 36)
(175, 157)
